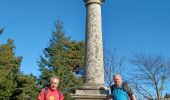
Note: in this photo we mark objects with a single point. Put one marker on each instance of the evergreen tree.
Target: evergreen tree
(167, 95)
(26, 88)
(9, 67)
(14, 85)
(60, 58)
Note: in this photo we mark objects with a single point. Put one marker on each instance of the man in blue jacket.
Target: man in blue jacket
(120, 90)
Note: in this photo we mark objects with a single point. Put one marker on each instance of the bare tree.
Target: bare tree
(151, 75)
(112, 64)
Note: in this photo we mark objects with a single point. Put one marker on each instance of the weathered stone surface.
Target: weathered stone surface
(93, 1)
(91, 95)
(93, 89)
(93, 47)
(92, 92)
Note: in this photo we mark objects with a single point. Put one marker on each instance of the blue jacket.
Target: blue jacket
(119, 93)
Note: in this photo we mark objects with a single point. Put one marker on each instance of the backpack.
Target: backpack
(46, 91)
(126, 88)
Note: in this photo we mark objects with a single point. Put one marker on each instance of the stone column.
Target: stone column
(93, 89)
(93, 47)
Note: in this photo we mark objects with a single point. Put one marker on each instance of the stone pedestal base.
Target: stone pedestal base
(88, 94)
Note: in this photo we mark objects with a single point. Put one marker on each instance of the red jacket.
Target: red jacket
(50, 94)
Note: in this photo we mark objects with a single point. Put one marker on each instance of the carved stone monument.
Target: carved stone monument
(93, 88)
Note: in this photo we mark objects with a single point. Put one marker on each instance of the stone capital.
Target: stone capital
(93, 1)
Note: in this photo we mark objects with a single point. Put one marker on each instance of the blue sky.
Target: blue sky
(128, 26)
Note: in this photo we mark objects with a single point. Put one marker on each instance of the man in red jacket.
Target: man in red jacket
(51, 92)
